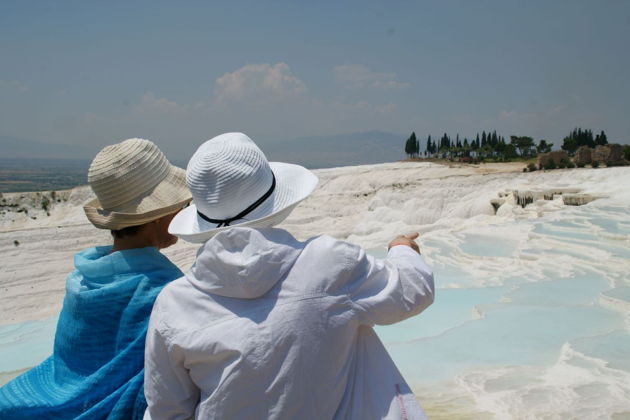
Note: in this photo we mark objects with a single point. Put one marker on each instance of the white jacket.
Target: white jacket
(264, 326)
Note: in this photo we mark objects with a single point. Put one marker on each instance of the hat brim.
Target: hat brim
(293, 184)
(167, 197)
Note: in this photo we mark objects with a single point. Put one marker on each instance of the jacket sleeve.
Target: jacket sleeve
(168, 388)
(385, 291)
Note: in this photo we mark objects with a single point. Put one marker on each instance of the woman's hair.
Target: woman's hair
(128, 231)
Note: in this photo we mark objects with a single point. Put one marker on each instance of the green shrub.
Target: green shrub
(551, 164)
(581, 165)
(595, 164)
(531, 167)
(570, 165)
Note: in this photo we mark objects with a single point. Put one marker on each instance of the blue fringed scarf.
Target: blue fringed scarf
(96, 370)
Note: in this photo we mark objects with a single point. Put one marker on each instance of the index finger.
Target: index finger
(412, 236)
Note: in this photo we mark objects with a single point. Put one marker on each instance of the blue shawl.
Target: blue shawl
(96, 370)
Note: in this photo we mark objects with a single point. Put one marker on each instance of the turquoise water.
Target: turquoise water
(566, 233)
(580, 290)
(508, 335)
(621, 293)
(456, 307)
(613, 347)
(546, 330)
(25, 345)
(487, 246)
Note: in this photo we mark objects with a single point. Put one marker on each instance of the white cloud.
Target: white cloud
(259, 82)
(14, 85)
(359, 76)
(151, 104)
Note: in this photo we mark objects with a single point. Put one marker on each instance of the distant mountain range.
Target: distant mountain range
(16, 148)
(357, 148)
(339, 150)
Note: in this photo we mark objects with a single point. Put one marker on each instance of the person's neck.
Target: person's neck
(132, 242)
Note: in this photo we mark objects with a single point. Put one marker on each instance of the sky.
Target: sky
(181, 72)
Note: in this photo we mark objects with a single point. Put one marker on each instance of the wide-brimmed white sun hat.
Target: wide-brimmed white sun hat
(134, 184)
(232, 183)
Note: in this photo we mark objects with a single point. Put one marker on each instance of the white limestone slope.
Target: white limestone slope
(367, 205)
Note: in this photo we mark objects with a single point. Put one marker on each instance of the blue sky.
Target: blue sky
(181, 72)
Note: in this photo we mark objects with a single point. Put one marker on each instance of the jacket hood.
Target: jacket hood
(243, 262)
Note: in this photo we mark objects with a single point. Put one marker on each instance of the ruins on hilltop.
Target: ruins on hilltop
(609, 155)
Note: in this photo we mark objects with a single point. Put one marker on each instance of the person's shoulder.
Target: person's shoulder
(330, 262)
(326, 245)
(327, 242)
(171, 299)
(174, 289)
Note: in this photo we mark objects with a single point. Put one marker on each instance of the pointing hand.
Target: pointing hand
(407, 240)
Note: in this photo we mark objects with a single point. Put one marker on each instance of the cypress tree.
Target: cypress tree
(579, 137)
(591, 142)
(414, 145)
(409, 147)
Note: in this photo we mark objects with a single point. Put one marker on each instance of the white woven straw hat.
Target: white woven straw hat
(232, 183)
(134, 184)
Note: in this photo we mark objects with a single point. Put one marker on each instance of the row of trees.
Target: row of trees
(488, 145)
(491, 145)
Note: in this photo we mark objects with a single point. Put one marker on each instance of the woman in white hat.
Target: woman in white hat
(96, 369)
(264, 326)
